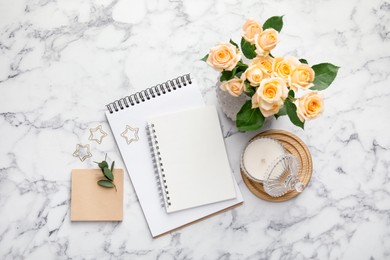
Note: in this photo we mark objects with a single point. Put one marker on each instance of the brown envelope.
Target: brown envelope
(91, 202)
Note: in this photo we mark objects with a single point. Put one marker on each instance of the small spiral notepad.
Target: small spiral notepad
(128, 119)
(190, 159)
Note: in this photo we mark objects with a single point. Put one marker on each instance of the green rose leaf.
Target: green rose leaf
(249, 119)
(325, 73)
(303, 61)
(238, 74)
(291, 93)
(108, 174)
(237, 71)
(248, 49)
(240, 65)
(275, 22)
(292, 113)
(205, 58)
(235, 44)
(282, 112)
(249, 90)
(225, 75)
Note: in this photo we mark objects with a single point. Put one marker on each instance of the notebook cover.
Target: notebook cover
(91, 202)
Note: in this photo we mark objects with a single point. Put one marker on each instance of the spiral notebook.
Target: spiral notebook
(128, 120)
(190, 158)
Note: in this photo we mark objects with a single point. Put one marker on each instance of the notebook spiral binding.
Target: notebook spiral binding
(158, 166)
(149, 93)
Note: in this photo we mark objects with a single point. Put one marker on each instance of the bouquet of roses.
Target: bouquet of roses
(270, 82)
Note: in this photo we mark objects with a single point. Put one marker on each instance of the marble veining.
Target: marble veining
(62, 61)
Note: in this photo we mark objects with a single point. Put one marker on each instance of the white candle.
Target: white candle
(258, 156)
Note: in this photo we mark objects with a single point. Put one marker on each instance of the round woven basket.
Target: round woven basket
(293, 145)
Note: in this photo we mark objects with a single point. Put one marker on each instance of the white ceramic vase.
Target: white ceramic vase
(230, 105)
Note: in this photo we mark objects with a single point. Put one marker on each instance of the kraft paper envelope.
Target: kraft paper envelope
(91, 202)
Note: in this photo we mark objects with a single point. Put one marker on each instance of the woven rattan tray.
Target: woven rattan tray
(292, 144)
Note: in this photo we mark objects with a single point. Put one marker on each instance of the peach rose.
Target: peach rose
(270, 96)
(283, 67)
(254, 74)
(266, 41)
(223, 57)
(235, 86)
(310, 105)
(265, 63)
(250, 29)
(301, 77)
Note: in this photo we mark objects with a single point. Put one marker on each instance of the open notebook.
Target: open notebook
(190, 158)
(128, 120)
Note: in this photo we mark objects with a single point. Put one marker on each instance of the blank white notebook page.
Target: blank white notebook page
(193, 157)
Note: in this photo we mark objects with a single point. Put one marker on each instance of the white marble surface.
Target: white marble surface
(63, 60)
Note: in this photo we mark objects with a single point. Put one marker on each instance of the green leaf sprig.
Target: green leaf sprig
(107, 172)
